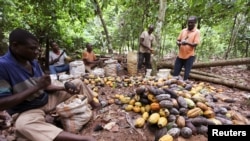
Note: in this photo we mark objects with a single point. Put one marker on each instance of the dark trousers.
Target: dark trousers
(186, 63)
(146, 57)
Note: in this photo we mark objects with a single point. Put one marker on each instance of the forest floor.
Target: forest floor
(123, 131)
(122, 128)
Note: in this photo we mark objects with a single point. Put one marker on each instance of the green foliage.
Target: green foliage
(73, 23)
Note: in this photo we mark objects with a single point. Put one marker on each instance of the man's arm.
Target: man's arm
(10, 101)
(90, 62)
(178, 42)
(195, 43)
(190, 44)
(53, 61)
(69, 88)
(141, 43)
(87, 61)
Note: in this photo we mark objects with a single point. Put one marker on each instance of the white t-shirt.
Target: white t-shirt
(53, 56)
(148, 40)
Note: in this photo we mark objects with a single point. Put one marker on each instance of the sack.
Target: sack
(74, 112)
(75, 123)
(110, 68)
(132, 63)
(77, 68)
(98, 72)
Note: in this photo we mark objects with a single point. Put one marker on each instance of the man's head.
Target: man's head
(151, 29)
(23, 44)
(89, 47)
(191, 22)
(54, 46)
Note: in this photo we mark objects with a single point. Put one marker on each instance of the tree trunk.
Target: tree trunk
(99, 12)
(3, 45)
(159, 23)
(207, 74)
(247, 47)
(237, 61)
(47, 54)
(237, 24)
(226, 82)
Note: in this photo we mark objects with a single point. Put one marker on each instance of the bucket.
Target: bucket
(163, 73)
(148, 72)
(77, 68)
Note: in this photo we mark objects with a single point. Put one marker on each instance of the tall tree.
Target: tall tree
(99, 13)
(158, 29)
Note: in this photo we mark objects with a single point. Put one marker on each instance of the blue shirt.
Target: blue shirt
(14, 79)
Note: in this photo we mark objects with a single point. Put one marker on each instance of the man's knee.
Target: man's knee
(25, 119)
(20, 125)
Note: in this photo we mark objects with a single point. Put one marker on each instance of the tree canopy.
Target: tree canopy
(116, 24)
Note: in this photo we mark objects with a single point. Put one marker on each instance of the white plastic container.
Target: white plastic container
(77, 68)
(163, 73)
(148, 72)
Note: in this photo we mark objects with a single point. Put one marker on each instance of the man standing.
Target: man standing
(146, 44)
(187, 41)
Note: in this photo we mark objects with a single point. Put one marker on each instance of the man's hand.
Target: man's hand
(5, 120)
(184, 42)
(178, 43)
(56, 60)
(71, 88)
(44, 81)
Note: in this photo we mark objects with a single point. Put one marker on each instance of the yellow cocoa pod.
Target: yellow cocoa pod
(132, 101)
(91, 76)
(195, 112)
(129, 107)
(95, 100)
(162, 122)
(215, 121)
(166, 137)
(152, 98)
(125, 100)
(139, 122)
(86, 81)
(117, 96)
(162, 113)
(153, 118)
(143, 109)
(145, 115)
(147, 108)
(95, 94)
(138, 104)
(137, 109)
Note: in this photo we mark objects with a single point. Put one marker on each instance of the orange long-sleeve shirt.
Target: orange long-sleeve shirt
(193, 36)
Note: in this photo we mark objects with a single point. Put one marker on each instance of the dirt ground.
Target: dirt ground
(123, 131)
(121, 121)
